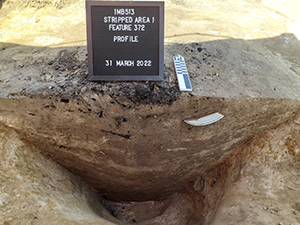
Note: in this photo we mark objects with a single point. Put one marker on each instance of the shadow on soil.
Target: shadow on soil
(1, 3)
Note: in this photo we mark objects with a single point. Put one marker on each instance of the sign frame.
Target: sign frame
(159, 75)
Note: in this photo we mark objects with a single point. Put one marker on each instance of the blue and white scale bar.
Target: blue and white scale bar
(182, 74)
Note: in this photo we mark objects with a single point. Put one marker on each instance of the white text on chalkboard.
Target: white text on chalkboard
(128, 62)
(124, 11)
(126, 38)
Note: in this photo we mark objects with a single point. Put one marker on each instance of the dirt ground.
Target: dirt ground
(248, 52)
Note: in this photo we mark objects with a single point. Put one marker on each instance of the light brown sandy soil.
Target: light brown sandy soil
(35, 190)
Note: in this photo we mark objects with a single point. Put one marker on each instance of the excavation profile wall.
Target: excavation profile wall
(128, 140)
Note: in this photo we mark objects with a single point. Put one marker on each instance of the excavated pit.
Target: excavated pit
(197, 203)
(128, 140)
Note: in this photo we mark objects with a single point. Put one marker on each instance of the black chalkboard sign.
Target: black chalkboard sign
(125, 40)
